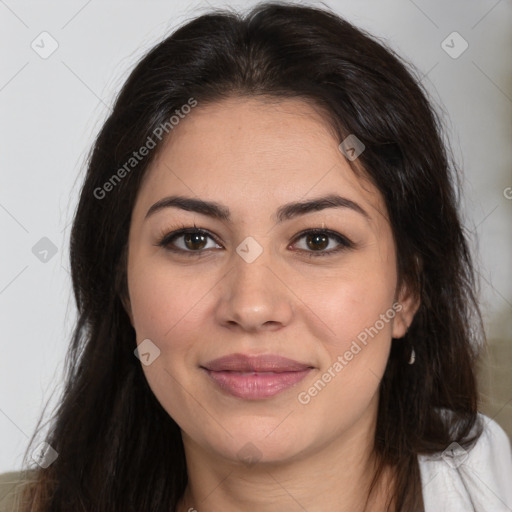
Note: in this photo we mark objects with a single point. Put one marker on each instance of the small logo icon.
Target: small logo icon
(44, 45)
(147, 352)
(44, 250)
(352, 147)
(249, 249)
(454, 45)
(249, 454)
(455, 455)
(44, 455)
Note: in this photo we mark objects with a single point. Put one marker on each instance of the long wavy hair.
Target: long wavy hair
(118, 449)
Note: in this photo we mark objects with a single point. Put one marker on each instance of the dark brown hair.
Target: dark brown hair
(118, 449)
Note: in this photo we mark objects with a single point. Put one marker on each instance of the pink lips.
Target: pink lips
(255, 377)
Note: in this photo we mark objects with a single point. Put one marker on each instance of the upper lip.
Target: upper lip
(259, 363)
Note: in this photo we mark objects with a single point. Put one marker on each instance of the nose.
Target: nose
(253, 296)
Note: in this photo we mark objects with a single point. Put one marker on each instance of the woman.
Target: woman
(275, 294)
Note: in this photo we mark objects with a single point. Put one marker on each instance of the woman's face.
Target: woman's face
(255, 284)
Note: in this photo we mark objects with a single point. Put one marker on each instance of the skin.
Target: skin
(253, 156)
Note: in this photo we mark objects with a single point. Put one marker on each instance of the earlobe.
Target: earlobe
(409, 302)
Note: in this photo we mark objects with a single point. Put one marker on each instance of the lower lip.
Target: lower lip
(256, 386)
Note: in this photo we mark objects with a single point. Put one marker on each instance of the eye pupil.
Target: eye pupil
(193, 239)
(317, 237)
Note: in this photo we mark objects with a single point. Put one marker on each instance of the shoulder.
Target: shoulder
(12, 485)
(479, 478)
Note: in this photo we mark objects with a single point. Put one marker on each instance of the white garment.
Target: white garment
(477, 480)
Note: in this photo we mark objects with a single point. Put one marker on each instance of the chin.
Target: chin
(261, 445)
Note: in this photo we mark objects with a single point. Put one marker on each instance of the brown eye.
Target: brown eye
(317, 240)
(193, 241)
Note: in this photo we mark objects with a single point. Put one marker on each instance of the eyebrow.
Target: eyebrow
(283, 213)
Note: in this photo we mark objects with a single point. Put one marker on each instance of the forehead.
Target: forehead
(254, 153)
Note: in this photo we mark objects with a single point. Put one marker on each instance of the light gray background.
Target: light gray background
(50, 110)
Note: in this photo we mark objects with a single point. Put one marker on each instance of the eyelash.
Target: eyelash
(166, 238)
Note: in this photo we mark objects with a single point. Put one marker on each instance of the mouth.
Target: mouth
(255, 377)
(256, 385)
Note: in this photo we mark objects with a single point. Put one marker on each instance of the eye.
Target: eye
(194, 240)
(318, 239)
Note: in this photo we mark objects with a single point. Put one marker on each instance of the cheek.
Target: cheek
(338, 310)
(355, 349)
(339, 305)
(357, 310)
(356, 346)
(353, 300)
(165, 307)
(162, 299)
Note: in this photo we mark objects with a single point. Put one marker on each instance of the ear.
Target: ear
(409, 302)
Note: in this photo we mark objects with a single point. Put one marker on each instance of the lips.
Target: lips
(263, 363)
(255, 377)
